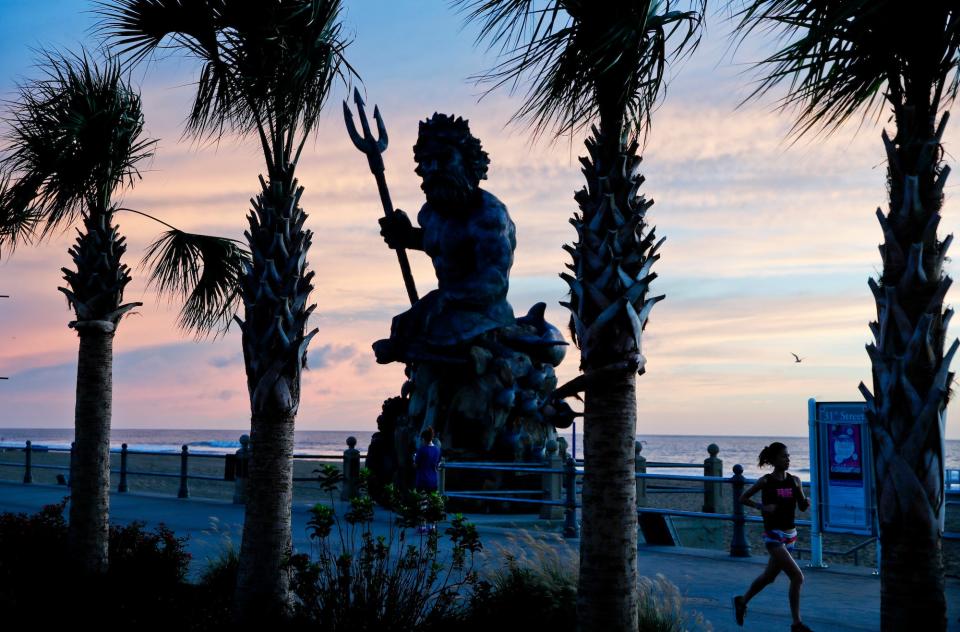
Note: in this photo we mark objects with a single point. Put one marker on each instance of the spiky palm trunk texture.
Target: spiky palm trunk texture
(275, 290)
(911, 376)
(95, 293)
(609, 306)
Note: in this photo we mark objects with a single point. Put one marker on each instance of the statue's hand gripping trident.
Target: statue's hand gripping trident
(374, 148)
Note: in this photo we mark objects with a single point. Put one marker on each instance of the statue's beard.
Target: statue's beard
(449, 191)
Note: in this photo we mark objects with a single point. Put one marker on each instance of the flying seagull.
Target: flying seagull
(798, 358)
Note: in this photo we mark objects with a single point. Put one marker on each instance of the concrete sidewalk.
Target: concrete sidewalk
(840, 598)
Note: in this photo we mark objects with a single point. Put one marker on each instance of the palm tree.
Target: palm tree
(599, 62)
(267, 69)
(842, 59)
(76, 139)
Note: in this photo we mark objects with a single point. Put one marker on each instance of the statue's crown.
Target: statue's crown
(445, 126)
(454, 131)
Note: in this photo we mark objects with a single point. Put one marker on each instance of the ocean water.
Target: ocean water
(666, 448)
(744, 450)
(171, 440)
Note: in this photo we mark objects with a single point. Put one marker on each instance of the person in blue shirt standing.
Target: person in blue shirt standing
(426, 461)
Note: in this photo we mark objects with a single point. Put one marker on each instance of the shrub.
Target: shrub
(144, 579)
(31, 546)
(220, 575)
(218, 580)
(145, 575)
(538, 589)
(406, 579)
(155, 559)
(661, 608)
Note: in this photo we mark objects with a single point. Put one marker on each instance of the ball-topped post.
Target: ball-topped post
(738, 546)
(552, 481)
(712, 492)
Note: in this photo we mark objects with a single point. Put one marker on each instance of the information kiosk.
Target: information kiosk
(841, 473)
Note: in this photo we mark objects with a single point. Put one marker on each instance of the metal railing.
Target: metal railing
(560, 474)
(571, 474)
(559, 489)
(235, 466)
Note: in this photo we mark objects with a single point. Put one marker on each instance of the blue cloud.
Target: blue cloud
(221, 362)
(329, 354)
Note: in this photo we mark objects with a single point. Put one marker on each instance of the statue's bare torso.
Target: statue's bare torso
(472, 252)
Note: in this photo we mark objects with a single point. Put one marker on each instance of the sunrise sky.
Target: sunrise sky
(768, 249)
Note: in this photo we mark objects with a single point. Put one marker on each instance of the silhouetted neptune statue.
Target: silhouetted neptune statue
(481, 377)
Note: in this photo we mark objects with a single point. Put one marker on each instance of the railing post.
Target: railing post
(552, 483)
(122, 487)
(240, 474)
(28, 463)
(184, 492)
(73, 448)
(442, 476)
(738, 546)
(570, 527)
(712, 466)
(351, 470)
(640, 467)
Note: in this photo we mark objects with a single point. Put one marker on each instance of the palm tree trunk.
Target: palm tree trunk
(95, 293)
(606, 597)
(262, 585)
(911, 581)
(275, 290)
(911, 377)
(90, 475)
(609, 306)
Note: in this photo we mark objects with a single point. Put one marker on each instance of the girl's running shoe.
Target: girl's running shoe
(740, 609)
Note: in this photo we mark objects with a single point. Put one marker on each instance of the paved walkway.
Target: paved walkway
(841, 598)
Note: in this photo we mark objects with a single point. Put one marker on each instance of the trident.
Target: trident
(374, 150)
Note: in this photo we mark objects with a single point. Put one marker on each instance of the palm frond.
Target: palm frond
(18, 218)
(204, 272)
(838, 58)
(510, 24)
(139, 28)
(75, 136)
(582, 61)
(268, 67)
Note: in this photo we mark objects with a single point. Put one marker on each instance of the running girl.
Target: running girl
(781, 494)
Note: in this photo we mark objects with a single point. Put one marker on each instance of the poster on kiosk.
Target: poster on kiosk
(841, 465)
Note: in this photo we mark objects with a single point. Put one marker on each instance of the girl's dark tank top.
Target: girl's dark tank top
(783, 494)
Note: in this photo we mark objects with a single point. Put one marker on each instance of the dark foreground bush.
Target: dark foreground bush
(144, 584)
